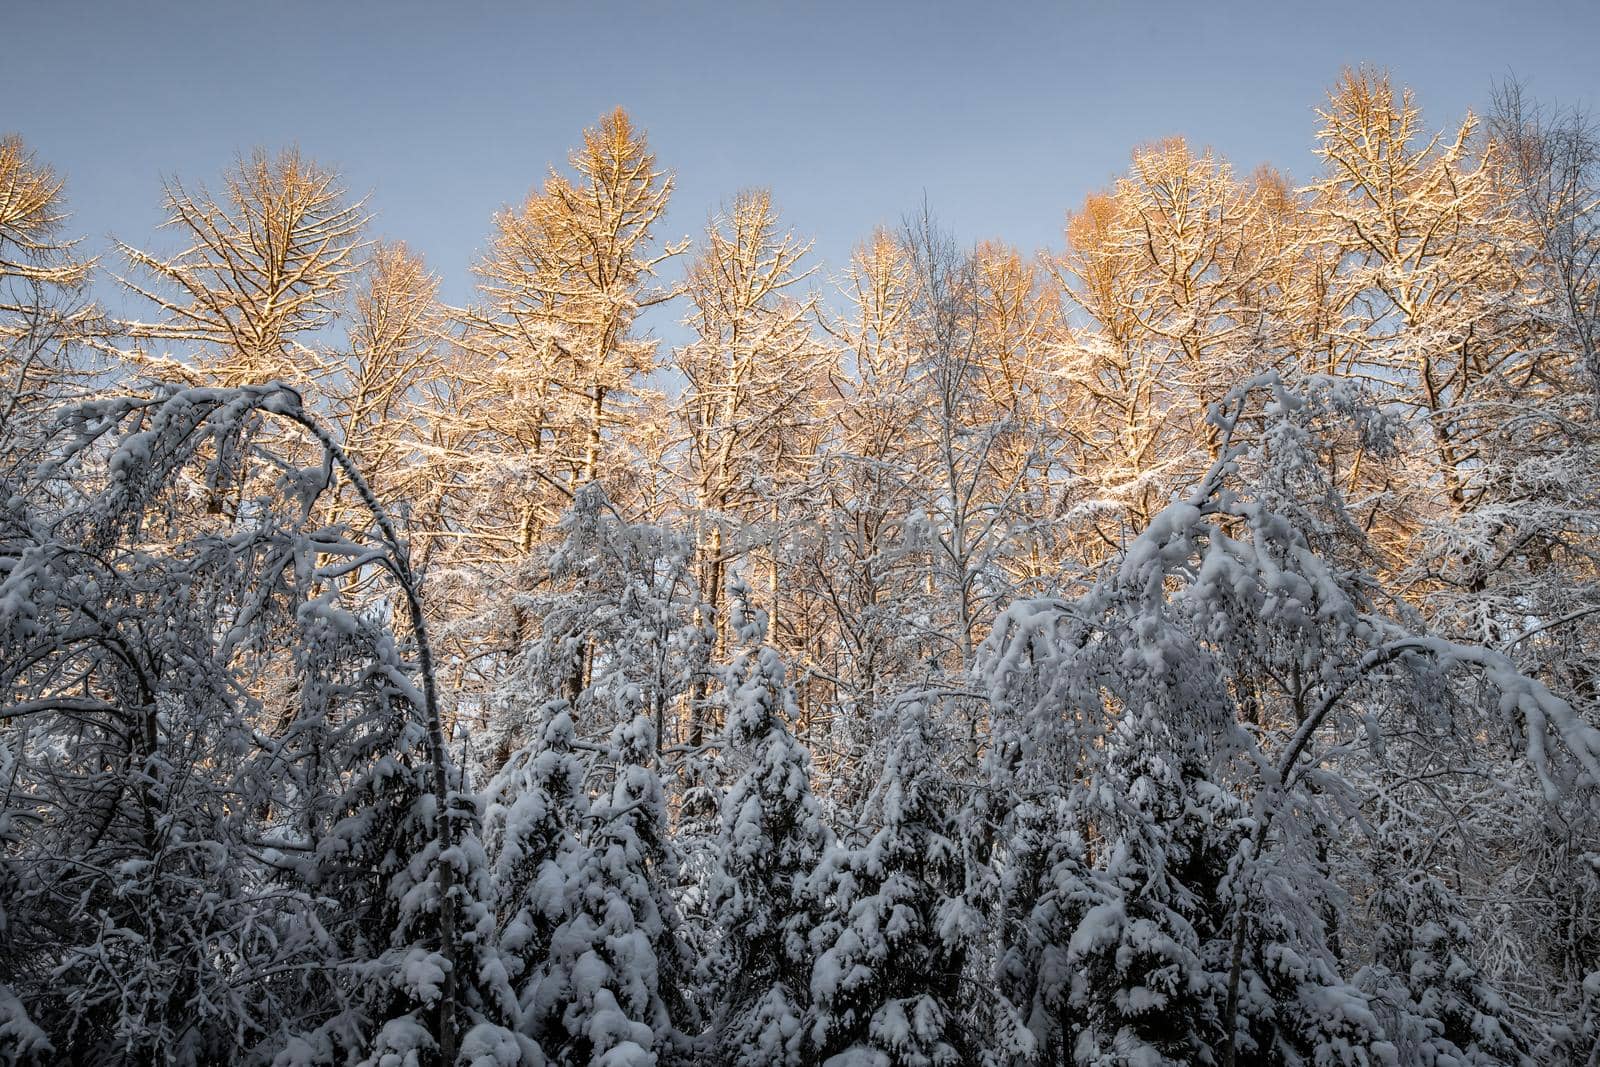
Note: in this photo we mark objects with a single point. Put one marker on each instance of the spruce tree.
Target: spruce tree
(609, 989)
(887, 983)
(772, 837)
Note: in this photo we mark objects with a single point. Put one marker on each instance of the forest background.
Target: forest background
(1169, 640)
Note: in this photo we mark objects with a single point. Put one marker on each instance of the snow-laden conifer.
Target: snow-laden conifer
(610, 990)
(771, 838)
(891, 953)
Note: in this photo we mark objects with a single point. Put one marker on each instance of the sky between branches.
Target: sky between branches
(1004, 115)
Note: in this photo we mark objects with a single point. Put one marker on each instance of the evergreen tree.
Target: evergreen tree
(536, 812)
(1445, 1011)
(609, 992)
(772, 837)
(1140, 984)
(887, 983)
(1048, 889)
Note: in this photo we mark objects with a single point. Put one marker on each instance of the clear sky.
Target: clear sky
(1004, 114)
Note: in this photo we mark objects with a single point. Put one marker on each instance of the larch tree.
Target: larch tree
(392, 356)
(1423, 279)
(1019, 330)
(748, 408)
(974, 457)
(865, 570)
(543, 366)
(1171, 269)
(262, 270)
(43, 311)
(567, 274)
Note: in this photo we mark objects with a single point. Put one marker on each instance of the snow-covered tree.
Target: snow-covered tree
(1221, 615)
(1440, 1007)
(567, 273)
(620, 625)
(42, 279)
(1279, 507)
(771, 839)
(610, 991)
(262, 267)
(179, 870)
(748, 410)
(1140, 986)
(1047, 888)
(532, 828)
(892, 950)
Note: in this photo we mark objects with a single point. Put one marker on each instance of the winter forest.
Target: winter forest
(1177, 646)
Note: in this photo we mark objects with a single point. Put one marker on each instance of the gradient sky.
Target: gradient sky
(1003, 114)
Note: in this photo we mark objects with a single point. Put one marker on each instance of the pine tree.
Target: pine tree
(771, 839)
(1293, 1003)
(609, 992)
(535, 817)
(891, 956)
(1140, 983)
(1423, 970)
(1048, 889)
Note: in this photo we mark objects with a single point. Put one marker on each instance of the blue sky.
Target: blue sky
(1003, 115)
